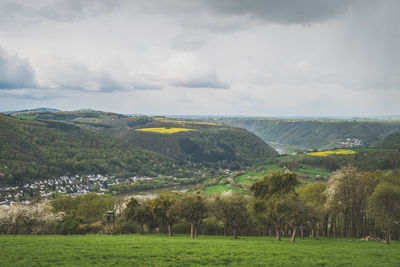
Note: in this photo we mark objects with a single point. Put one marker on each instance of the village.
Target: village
(351, 143)
(74, 185)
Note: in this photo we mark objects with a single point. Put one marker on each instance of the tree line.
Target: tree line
(351, 204)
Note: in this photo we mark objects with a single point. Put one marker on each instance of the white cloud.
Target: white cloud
(185, 69)
(74, 76)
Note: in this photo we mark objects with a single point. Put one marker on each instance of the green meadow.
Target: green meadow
(219, 188)
(26, 117)
(306, 173)
(160, 250)
(258, 172)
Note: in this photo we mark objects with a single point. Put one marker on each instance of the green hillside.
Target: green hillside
(317, 134)
(31, 150)
(391, 141)
(212, 144)
(41, 145)
(311, 167)
(231, 147)
(27, 111)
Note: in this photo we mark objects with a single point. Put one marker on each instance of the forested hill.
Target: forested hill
(317, 134)
(42, 145)
(31, 150)
(214, 144)
(391, 141)
(24, 111)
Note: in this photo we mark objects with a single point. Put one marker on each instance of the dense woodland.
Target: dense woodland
(216, 145)
(351, 204)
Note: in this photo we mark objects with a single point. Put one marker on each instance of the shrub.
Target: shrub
(68, 226)
(125, 228)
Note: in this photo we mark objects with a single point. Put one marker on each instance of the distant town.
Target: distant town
(74, 185)
(351, 142)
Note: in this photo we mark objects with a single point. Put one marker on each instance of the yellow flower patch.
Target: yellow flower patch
(164, 130)
(331, 152)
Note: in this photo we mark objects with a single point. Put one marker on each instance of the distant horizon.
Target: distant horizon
(393, 116)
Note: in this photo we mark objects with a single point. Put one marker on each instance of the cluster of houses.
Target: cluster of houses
(49, 188)
(351, 142)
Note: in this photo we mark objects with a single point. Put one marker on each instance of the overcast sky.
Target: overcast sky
(222, 57)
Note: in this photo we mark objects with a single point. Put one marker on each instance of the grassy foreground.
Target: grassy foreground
(159, 250)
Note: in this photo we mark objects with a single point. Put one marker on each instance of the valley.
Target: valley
(210, 155)
(294, 135)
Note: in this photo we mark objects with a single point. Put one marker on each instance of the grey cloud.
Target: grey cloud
(372, 41)
(187, 41)
(85, 80)
(283, 11)
(185, 69)
(75, 10)
(277, 11)
(80, 78)
(108, 84)
(185, 100)
(75, 76)
(144, 86)
(15, 72)
(26, 13)
(203, 80)
(212, 82)
(14, 14)
(146, 82)
(29, 94)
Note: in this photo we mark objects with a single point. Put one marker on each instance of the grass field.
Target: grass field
(26, 117)
(159, 250)
(219, 188)
(306, 173)
(310, 172)
(258, 172)
(371, 149)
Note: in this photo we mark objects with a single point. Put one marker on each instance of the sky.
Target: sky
(202, 57)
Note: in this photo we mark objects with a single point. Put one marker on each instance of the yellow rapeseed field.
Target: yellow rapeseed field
(164, 130)
(330, 152)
